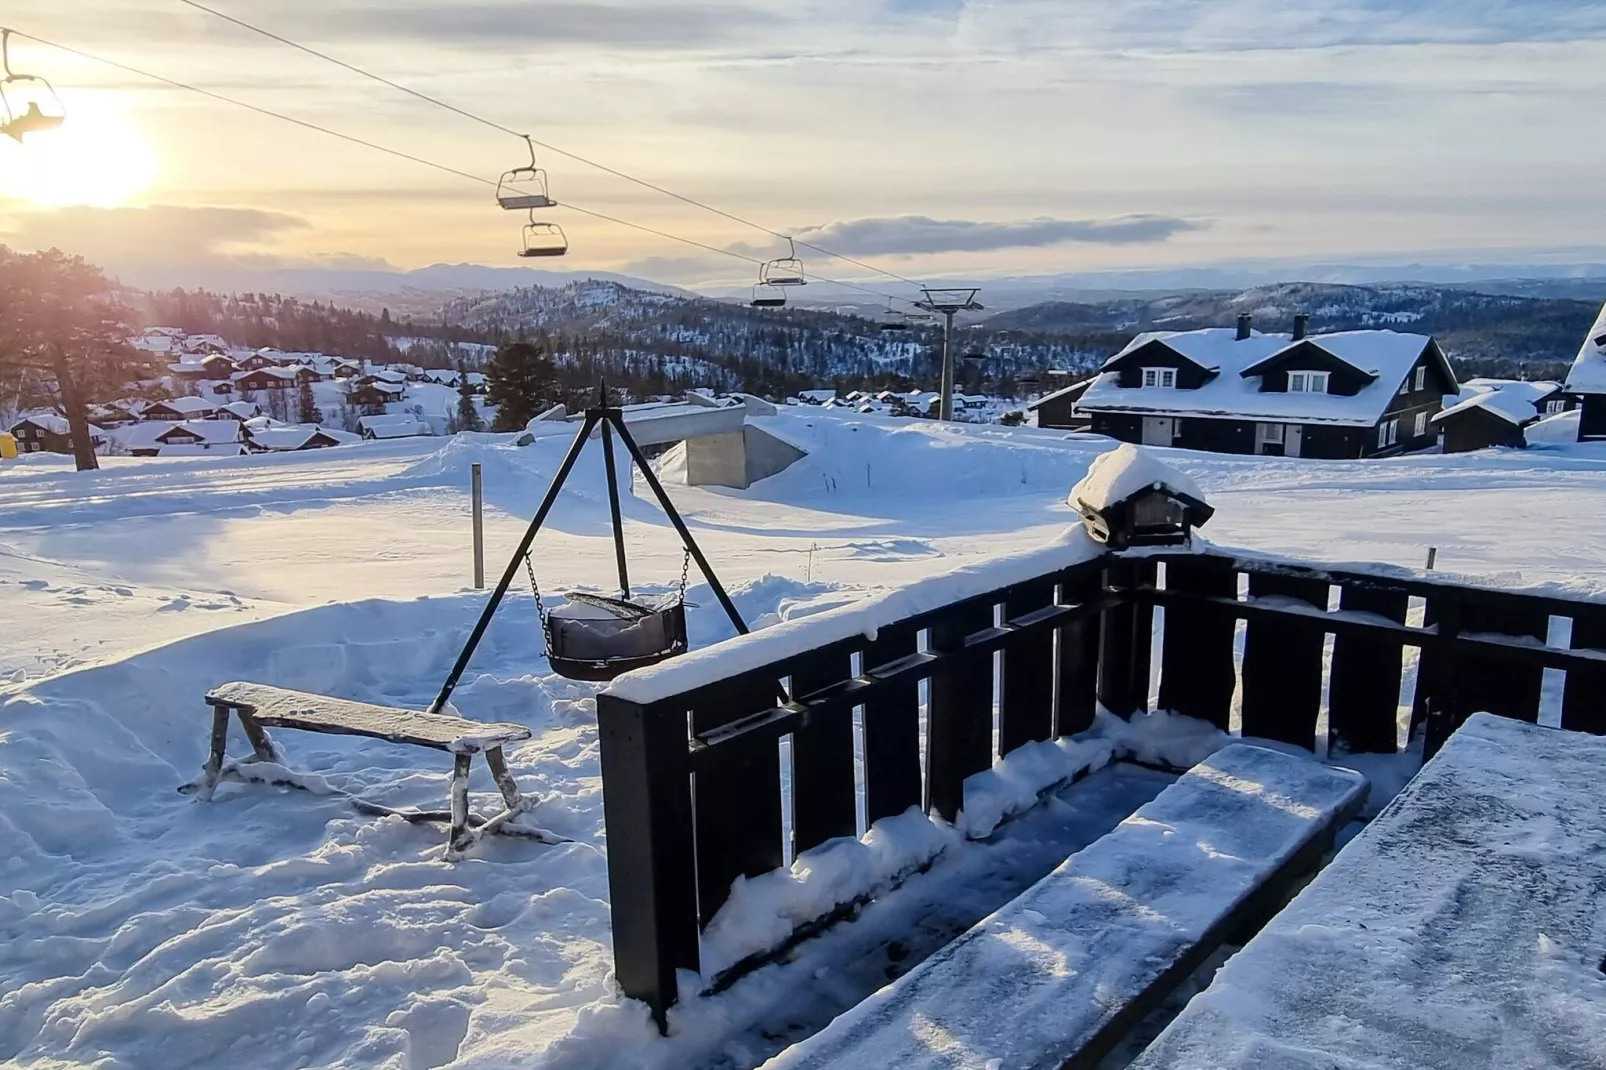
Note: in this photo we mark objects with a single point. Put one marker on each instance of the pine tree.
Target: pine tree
(468, 414)
(520, 382)
(306, 406)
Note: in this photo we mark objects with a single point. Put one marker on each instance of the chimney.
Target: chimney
(1244, 320)
(1301, 325)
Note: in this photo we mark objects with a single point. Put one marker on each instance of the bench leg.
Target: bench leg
(504, 781)
(261, 744)
(213, 769)
(462, 836)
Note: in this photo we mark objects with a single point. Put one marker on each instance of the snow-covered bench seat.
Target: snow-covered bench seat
(1060, 974)
(1464, 929)
(261, 706)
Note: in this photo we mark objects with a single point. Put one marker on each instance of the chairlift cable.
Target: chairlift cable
(494, 125)
(400, 154)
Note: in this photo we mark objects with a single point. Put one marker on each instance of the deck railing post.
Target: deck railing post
(652, 878)
(1583, 698)
(1125, 636)
(1197, 673)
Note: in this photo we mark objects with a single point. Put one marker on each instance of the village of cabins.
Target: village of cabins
(1350, 394)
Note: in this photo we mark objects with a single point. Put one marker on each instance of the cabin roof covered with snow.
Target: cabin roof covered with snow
(210, 432)
(1078, 387)
(1384, 358)
(1510, 405)
(1588, 373)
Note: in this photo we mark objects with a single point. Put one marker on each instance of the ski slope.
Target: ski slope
(141, 928)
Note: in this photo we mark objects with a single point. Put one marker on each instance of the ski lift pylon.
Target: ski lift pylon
(15, 120)
(543, 239)
(511, 191)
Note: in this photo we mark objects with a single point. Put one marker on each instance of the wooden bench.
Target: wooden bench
(260, 707)
(1063, 972)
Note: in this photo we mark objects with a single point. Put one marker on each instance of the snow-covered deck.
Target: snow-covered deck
(1463, 930)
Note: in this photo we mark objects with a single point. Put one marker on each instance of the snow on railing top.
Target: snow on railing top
(794, 638)
(1125, 470)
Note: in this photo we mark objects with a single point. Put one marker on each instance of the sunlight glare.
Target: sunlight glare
(97, 157)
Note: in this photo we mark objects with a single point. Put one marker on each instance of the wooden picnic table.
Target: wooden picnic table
(1464, 929)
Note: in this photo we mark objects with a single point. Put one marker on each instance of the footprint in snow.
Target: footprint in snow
(36, 585)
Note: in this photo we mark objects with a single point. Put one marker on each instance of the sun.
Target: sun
(96, 158)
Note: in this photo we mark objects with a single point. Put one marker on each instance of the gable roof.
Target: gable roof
(1512, 406)
(1077, 388)
(288, 438)
(1235, 392)
(1588, 373)
(185, 404)
(210, 432)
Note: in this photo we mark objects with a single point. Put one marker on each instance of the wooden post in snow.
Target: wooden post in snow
(476, 491)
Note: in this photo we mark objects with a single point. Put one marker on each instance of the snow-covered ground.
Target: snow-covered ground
(141, 927)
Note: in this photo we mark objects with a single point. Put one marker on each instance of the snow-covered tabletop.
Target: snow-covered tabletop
(1464, 929)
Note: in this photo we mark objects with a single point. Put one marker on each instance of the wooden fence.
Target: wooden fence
(692, 788)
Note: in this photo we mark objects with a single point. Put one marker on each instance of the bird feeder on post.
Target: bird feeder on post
(1130, 498)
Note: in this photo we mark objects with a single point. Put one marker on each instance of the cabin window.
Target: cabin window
(1421, 424)
(1273, 433)
(1388, 433)
(1160, 377)
(1307, 382)
(1421, 378)
(1553, 407)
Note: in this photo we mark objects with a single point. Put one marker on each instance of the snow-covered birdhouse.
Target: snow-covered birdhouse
(1131, 498)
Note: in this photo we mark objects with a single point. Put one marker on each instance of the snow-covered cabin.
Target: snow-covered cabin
(391, 426)
(1226, 390)
(49, 432)
(1587, 380)
(369, 392)
(191, 436)
(213, 366)
(262, 358)
(200, 344)
(816, 397)
(1496, 412)
(1058, 408)
(296, 437)
(174, 410)
(238, 410)
(266, 378)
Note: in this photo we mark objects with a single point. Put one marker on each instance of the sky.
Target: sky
(929, 137)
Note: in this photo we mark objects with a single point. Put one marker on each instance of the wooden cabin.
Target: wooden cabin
(1225, 390)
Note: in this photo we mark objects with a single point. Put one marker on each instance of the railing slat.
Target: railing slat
(1197, 674)
(1363, 701)
(1282, 690)
(959, 739)
(1027, 710)
(1509, 689)
(1583, 697)
(892, 732)
(1078, 655)
(1125, 636)
(738, 801)
(652, 879)
(823, 804)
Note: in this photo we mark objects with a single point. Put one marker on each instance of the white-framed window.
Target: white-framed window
(1160, 377)
(1405, 387)
(1274, 433)
(1421, 425)
(1388, 433)
(1555, 406)
(1421, 378)
(1307, 382)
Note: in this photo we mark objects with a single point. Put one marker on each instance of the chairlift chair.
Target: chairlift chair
(785, 271)
(544, 239)
(893, 320)
(44, 110)
(768, 295)
(511, 191)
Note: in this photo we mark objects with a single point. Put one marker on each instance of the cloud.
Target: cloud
(522, 24)
(912, 235)
(167, 235)
(684, 269)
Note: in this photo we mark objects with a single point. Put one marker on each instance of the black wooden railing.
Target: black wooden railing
(692, 790)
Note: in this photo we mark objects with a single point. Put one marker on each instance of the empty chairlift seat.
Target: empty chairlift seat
(1059, 975)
